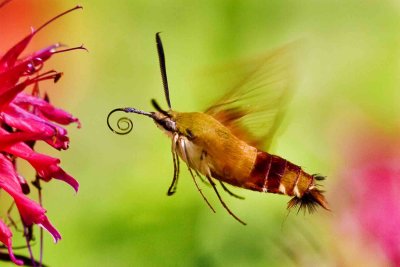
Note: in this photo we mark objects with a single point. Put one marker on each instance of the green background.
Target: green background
(347, 69)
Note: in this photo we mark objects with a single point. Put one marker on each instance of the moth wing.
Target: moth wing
(257, 96)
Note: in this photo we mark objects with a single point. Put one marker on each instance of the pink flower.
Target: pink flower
(27, 118)
(5, 238)
(370, 190)
(31, 212)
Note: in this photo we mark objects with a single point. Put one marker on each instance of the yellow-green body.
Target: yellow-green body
(213, 149)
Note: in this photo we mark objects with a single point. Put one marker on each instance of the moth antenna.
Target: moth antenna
(223, 203)
(161, 57)
(229, 191)
(125, 124)
(158, 108)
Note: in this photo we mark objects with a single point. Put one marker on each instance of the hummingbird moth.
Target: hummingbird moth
(224, 143)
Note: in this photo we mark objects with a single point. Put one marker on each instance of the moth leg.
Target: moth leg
(202, 178)
(184, 153)
(174, 184)
(200, 191)
(229, 191)
(202, 160)
(222, 202)
(172, 187)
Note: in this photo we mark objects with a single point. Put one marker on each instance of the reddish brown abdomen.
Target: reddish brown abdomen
(274, 174)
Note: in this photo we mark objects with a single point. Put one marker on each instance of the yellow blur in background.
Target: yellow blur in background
(347, 68)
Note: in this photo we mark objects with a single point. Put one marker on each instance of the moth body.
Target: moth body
(224, 143)
(210, 148)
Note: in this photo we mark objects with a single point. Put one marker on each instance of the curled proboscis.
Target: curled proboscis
(124, 124)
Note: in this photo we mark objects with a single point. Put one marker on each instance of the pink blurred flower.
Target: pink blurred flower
(25, 119)
(372, 186)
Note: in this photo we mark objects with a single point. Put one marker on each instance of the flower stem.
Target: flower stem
(40, 228)
(36, 183)
(28, 244)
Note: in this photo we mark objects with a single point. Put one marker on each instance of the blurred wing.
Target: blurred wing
(254, 105)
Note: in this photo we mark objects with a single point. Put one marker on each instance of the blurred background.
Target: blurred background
(343, 121)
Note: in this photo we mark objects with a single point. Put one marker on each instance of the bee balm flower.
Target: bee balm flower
(27, 118)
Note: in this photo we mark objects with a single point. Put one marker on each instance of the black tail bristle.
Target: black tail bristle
(306, 203)
(309, 201)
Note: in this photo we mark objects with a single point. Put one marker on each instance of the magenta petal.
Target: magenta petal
(5, 238)
(62, 175)
(8, 93)
(58, 142)
(12, 257)
(9, 139)
(59, 116)
(51, 229)
(46, 166)
(30, 64)
(10, 88)
(47, 110)
(23, 120)
(42, 163)
(43, 54)
(8, 176)
(32, 213)
(9, 59)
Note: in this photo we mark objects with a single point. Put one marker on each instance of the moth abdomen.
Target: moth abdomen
(274, 174)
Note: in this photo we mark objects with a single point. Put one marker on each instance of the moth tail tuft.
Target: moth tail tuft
(309, 201)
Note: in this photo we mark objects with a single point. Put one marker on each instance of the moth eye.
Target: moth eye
(168, 124)
(171, 125)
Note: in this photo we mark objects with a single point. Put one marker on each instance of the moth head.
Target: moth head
(164, 119)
